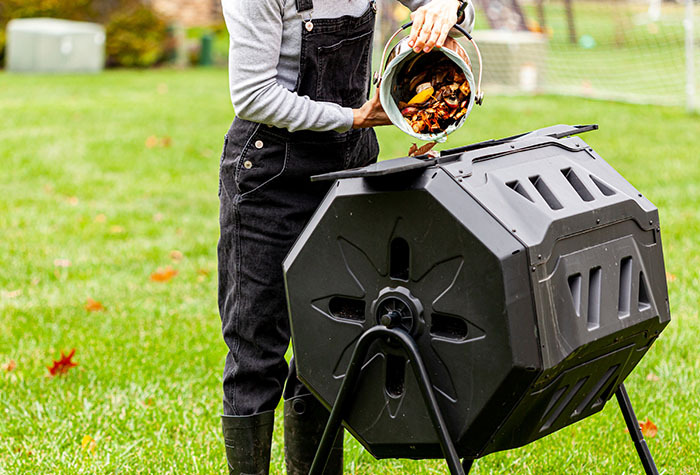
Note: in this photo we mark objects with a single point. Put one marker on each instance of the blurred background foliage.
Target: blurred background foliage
(136, 35)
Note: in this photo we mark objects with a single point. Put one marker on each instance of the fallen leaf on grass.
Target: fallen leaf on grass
(100, 218)
(648, 428)
(73, 200)
(9, 366)
(94, 306)
(148, 402)
(652, 377)
(152, 141)
(163, 274)
(11, 294)
(176, 255)
(88, 443)
(63, 364)
(62, 262)
(670, 277)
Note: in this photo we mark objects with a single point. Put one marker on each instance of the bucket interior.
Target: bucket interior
(406, 64)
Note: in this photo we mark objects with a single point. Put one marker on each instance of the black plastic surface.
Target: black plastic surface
(528, 271)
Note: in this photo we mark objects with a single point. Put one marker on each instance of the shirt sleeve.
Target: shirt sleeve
(469, 13)
(255, 31)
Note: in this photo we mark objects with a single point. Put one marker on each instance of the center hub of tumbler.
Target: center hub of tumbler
(397, 308)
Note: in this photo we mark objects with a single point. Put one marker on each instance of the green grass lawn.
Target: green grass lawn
(78, 183)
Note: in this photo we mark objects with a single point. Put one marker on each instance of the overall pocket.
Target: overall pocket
(343, 74)
(263, 159)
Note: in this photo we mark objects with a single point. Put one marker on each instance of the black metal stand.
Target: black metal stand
(635, 432)
(351, 379)
(456, 466)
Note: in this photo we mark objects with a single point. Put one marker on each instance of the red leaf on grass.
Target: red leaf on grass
(649, 429)
(9, 366)
(94, 306)
(163, 274)
(63, 364)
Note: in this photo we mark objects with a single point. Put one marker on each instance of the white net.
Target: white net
(643, 51)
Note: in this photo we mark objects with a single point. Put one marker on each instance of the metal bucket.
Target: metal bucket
(402, 55)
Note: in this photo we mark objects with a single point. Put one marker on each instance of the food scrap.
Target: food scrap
(434, 96)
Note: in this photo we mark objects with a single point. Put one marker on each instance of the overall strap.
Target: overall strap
(304, 5)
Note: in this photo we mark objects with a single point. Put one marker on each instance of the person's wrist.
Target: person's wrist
(358, 118)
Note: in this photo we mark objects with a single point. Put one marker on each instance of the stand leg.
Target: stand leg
(350, 382)
(635, 432)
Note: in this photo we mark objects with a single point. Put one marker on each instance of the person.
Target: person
(299, 82)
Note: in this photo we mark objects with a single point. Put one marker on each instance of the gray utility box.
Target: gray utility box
(528, 272)
(49, 45)
(514, 61)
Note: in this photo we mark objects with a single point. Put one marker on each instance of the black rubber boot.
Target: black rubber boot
(304, 421)
(248, 440)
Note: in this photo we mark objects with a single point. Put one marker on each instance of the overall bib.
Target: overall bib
(266, 198)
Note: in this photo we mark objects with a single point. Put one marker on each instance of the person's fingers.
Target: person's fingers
(443, 35)
(425, 31)
(418, 18)
(434, 36)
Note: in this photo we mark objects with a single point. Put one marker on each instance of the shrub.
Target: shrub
(135, 37)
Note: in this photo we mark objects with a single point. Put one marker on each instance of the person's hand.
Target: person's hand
(371, 114)
(431, 24)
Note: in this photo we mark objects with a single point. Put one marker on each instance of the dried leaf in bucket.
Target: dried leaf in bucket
(432, 93)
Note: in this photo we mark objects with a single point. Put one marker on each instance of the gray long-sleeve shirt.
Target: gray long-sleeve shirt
(265, 46)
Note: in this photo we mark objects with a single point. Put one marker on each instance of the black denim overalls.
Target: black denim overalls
(266, 198)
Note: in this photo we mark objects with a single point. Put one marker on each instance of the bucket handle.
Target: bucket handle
(379, 75)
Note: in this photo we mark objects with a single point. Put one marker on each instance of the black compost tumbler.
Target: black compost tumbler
(456, 305)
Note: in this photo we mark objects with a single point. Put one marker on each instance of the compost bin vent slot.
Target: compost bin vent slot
(448, 326)
(518, 188)
(399, 259)
(561, 406)
(594, 288)
(545, 192)
(594, 391)
(577, 184)
(602, 186)
(625, 291)
(644, 302)
(395, 375)
(575, 289)
(347, 308)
